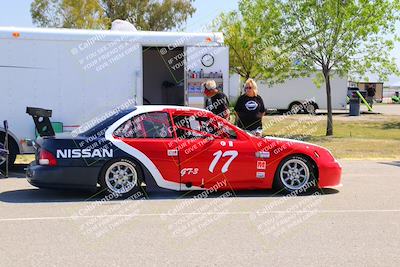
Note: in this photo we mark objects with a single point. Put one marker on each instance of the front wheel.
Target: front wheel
(122, 177)
(295, 173)
(311, 109)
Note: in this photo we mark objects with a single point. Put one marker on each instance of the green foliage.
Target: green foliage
(98, 14)
(86, 14)
(351, 37)
(250, 55)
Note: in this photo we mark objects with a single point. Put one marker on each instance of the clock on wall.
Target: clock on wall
(207, 60)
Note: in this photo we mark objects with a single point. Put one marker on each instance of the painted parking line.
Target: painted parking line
(192, 213)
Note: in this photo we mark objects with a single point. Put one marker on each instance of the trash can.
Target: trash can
(355, 102)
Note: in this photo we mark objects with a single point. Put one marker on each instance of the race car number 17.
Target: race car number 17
(218, 155)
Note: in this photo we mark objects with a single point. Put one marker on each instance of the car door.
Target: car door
(155, 145)
(214, 153)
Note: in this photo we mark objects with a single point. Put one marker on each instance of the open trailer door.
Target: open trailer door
(206, 63)
(163, 76)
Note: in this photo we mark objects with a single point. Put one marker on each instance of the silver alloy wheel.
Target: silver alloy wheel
(294, 174)
(121, 177)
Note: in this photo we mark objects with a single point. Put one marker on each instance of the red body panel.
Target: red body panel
(157, 151)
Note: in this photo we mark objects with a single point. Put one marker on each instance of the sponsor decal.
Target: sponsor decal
(223, 143)
(260, 175)
(261, 165)
(84, 153)
(251, 105)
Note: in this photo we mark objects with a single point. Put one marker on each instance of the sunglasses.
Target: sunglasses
(247, 88)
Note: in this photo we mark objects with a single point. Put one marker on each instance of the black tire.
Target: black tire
(290, 182)
(295, 108)
(13, 150)
(133, 187)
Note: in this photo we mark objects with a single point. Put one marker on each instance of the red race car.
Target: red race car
(178, 148)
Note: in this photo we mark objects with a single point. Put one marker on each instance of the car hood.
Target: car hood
(297, 146)
(294, 141)
(268, 140)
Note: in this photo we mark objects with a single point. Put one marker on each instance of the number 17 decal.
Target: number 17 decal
(217, 156)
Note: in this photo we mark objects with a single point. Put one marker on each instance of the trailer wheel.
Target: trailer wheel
(295, 107)
(13, 149)
(311, 108)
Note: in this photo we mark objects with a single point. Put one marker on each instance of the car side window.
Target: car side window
(201, 127)
(188, 127)
(148, 125)
(226, 131)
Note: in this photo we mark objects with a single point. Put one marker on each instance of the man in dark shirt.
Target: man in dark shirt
(370, 94)
(216, 102)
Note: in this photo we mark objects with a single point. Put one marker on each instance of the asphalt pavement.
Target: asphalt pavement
(357, 224)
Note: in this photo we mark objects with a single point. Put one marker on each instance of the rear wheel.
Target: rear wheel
(122, 177)
(295, 107)
(295, 173)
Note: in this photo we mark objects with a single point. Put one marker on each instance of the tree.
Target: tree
(348, 37)
(249, 55)
(98, 14)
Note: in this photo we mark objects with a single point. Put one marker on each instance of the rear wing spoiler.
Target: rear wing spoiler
(41, 119)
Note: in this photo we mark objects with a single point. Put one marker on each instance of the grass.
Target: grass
(355, 148)
(354, 138)
(25, 159)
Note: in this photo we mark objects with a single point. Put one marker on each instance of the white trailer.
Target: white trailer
(81, 74)
(291, 94)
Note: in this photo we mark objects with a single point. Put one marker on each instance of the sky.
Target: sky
(17, 13)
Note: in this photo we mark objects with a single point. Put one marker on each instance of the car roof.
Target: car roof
(139, 110)
(150, 108)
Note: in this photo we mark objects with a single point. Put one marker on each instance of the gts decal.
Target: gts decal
(84, 153)
(188, 171)
(217, 156)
